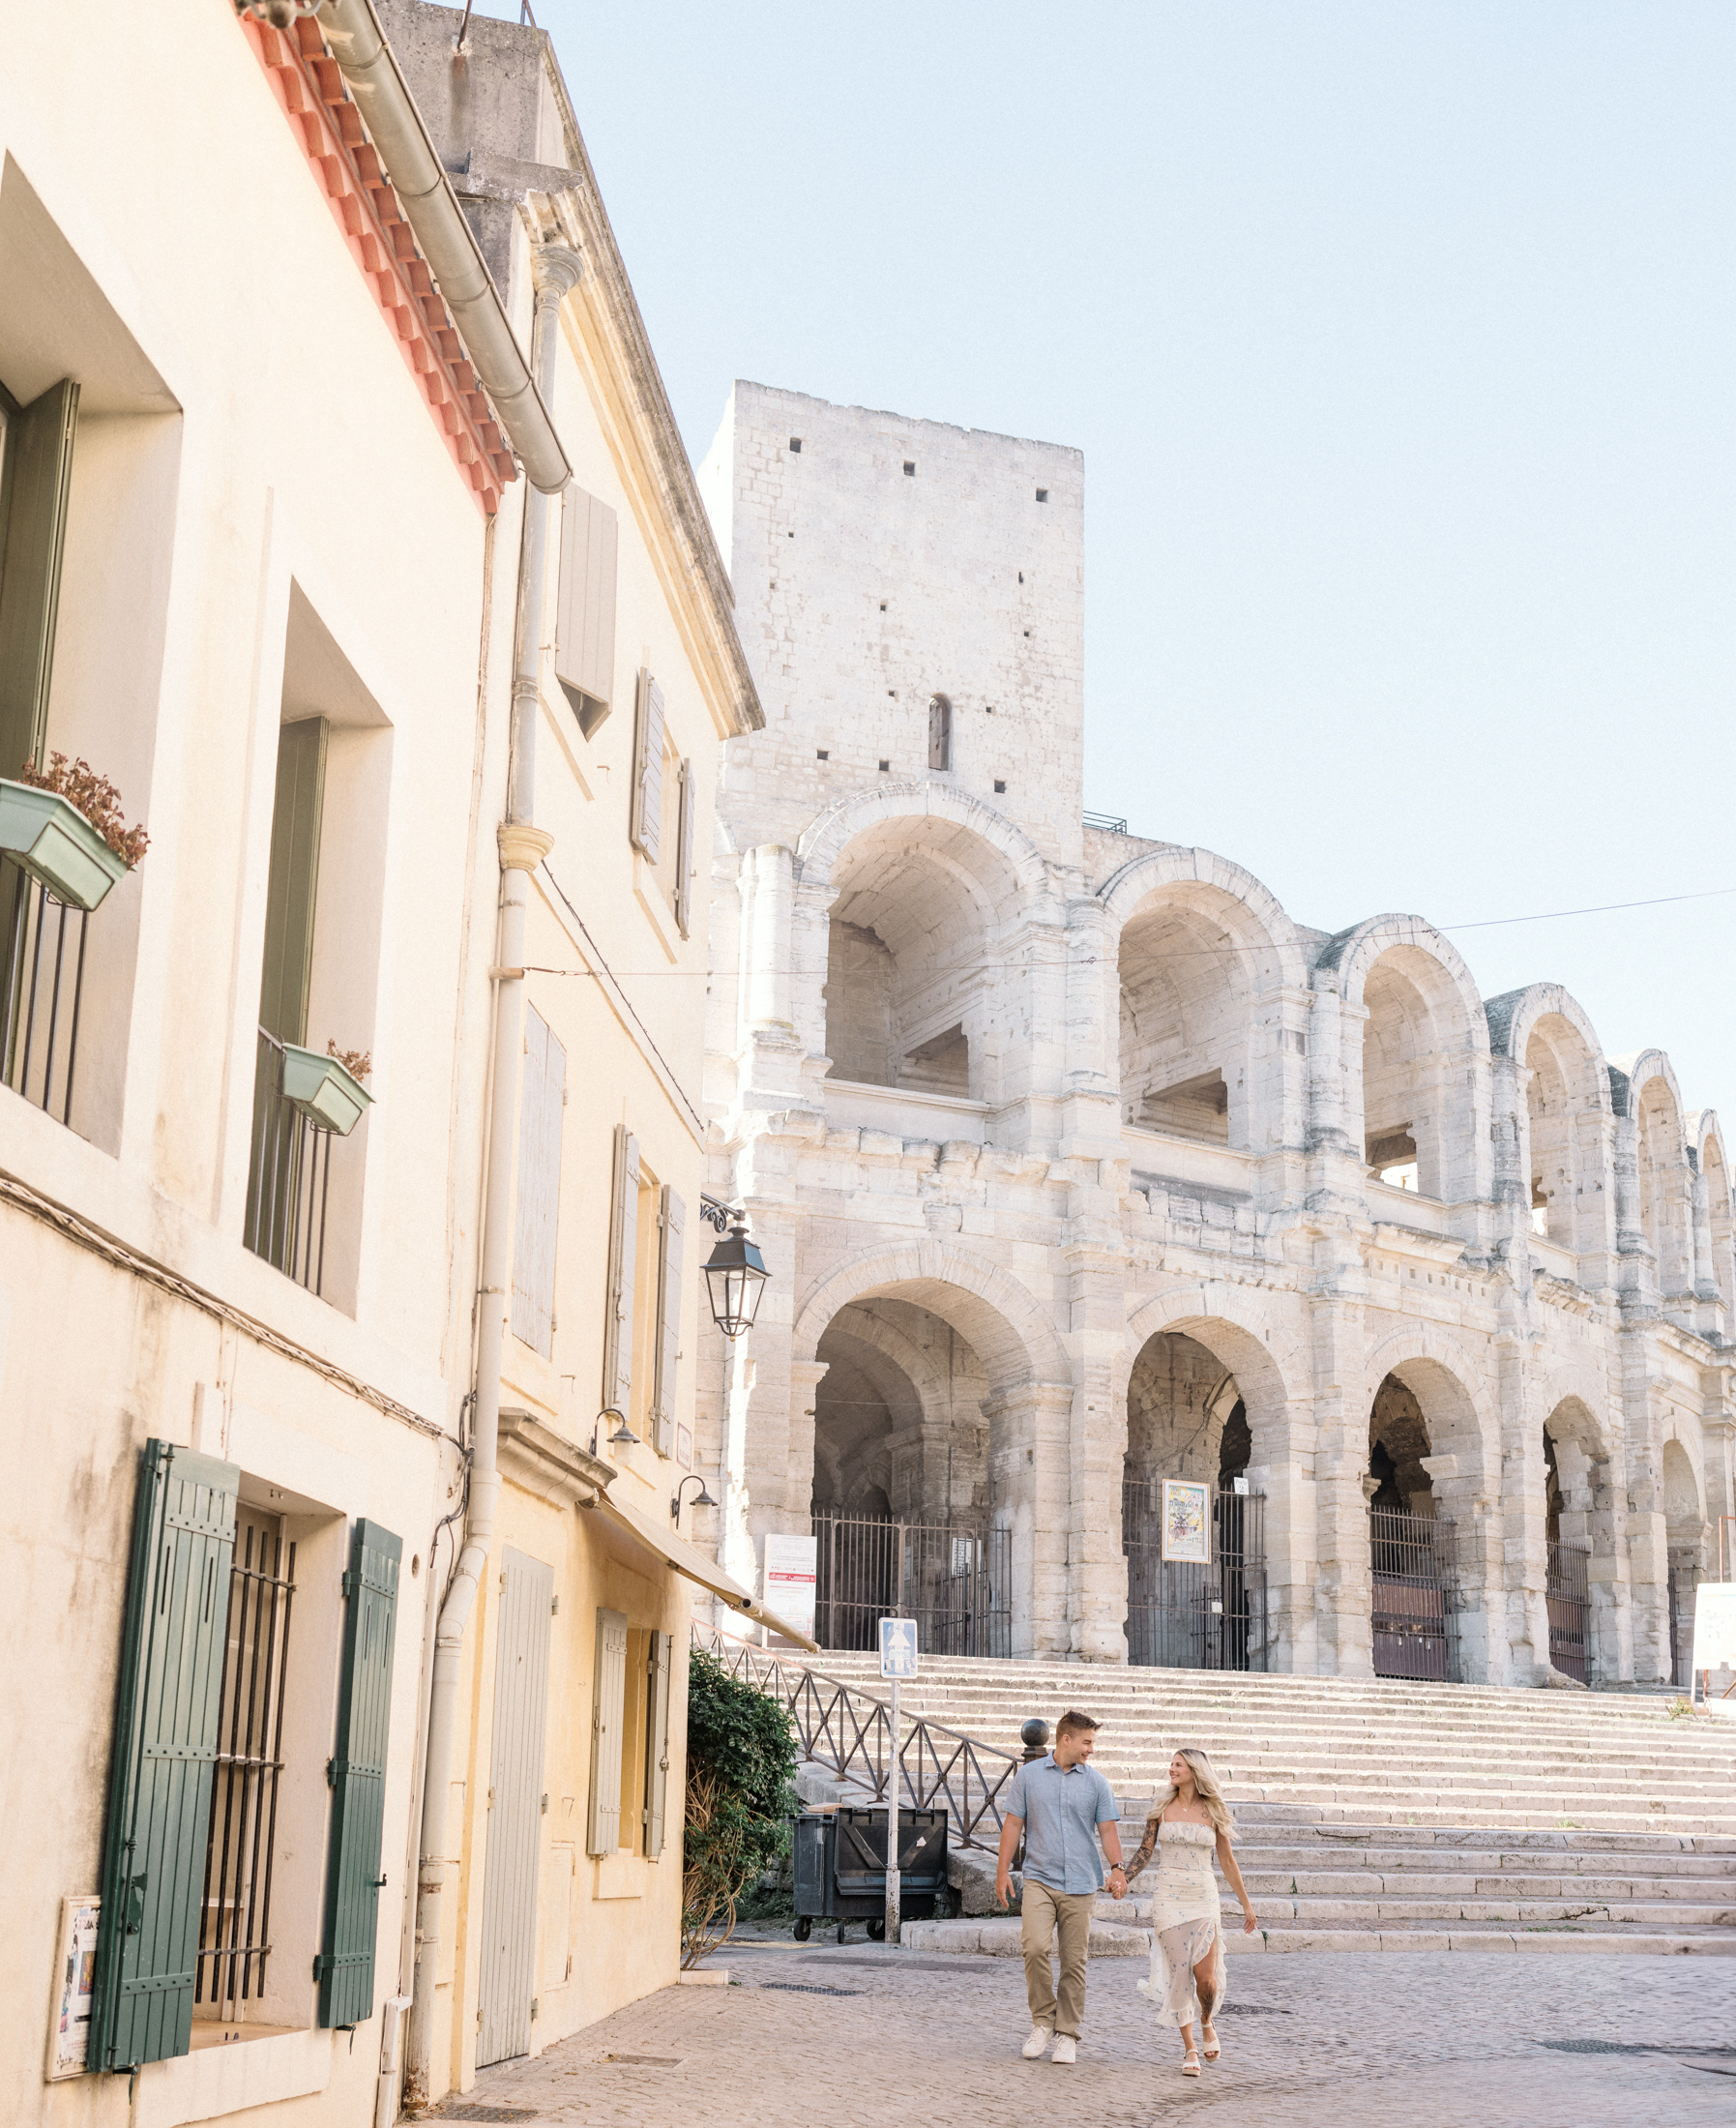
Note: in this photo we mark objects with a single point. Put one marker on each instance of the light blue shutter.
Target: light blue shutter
(345, 1966)
(648, 770)
(608, 1710)
(540, 1111)
(624, 1249)
(672, 1247)
(510, 1870)
(164, 1755)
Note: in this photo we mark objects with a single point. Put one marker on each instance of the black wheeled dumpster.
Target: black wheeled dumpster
(840, 1866)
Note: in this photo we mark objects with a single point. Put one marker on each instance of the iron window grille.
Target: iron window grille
(289, 1177)
(44, 975)
(235, 1917)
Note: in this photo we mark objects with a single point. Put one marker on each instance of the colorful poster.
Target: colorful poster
(897, 1647)
(74, 1982)
(1187, 1520)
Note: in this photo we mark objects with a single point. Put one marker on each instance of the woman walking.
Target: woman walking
(1189, 1823)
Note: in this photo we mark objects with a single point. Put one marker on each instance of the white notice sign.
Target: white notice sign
(75, 1984)
(1714, 1626)
(790, 1565)
(897, 1647)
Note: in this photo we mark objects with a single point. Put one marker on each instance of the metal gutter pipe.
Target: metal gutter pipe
(369, 67)
(522, 847)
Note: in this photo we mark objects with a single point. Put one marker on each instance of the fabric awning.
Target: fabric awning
(689, 1559)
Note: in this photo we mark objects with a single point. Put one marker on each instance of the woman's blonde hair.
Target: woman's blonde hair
(1205, 1782)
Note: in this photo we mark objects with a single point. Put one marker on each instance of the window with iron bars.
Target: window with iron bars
(235, 1917)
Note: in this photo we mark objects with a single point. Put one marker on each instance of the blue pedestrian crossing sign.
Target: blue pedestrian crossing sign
(897, 1647)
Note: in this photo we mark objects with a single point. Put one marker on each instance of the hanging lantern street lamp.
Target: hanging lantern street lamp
(735, 1274)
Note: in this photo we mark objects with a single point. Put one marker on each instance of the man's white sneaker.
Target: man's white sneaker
(1037, 2046)
(1066, 2049)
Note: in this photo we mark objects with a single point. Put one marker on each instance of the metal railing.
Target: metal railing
(1189, 1616)
(1567, 1591)
(953, 1579)
(289, 1177)
(1415, 1607)
(40, 1009)
(849, 1732)
(235, 1920)
(1112, 824)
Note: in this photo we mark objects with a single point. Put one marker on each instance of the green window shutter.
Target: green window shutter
(657, 1743)
(37, 477)
(292, 878)
(345, 1966)
(166, 1738)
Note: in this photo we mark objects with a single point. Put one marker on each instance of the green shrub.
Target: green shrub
(740, 1799)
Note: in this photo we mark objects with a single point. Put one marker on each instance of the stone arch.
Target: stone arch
(1435, 1379)
(908, 904)
(1646, 1092)
(1419, 1075)
(1203, 952)
(1715, 1234)
(1565, 1119)
(900, 1410)
(1236, 1332)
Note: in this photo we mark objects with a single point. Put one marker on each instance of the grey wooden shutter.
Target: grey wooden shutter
(648, 770)
(608, 1710)
(671, 1248)
(622, 1255)
(657, 1742)
(584, 644)
(37, 478)
(357, 1773)
(684, 853)
(291, 879)
(541, 1113)
(515, 1763)
(163, 1756)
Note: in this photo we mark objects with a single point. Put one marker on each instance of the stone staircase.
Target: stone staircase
(1385, 1815)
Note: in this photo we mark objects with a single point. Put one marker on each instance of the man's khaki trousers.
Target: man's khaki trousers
(1046, 1915)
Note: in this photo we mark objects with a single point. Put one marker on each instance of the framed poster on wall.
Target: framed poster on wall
(1187, 1520)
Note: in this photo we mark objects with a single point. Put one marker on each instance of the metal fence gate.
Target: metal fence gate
(1681, 1626)
(1186, 1616)
(1567, 1593)
(955, 1580)
(1415, 1609)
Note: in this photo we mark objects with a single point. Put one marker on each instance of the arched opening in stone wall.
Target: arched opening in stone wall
(1665, 1194)
(915, 986)
(1418, 1106)
(899, 1423)
(1567, 1121)
(1719, 1223)
(1578, 1534)
(1685, 1526)
(1191, 959)
(1188, 1420)
(1426, 1548)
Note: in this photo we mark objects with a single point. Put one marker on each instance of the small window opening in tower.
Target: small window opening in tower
(821, 754)
(940, 732)
(1540, 1207)
(1392, 1155)
(795, 444)
(883, 605)
(1000, 787)
(886, 768)
(1043, 494)
(910, 466)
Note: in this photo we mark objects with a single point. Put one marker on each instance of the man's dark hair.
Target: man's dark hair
(1072, 1722)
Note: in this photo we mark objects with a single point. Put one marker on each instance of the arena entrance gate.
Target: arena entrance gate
(954, 1579)
(1188, 1616)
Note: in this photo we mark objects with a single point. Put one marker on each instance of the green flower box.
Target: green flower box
(57, 845)
(322, 1090)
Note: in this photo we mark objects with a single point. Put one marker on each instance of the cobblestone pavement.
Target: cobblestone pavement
(1309, 2041)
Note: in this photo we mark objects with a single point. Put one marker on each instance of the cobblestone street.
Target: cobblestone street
(864, 2035)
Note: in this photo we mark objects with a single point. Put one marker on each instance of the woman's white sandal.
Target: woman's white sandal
(1190, 2063)
(1209, 2033)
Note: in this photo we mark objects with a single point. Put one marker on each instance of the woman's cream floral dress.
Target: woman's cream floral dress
(1187, 1918)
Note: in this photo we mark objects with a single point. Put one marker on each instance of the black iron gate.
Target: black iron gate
(1568, 1592)
(955, 1580)
(1183, 1615)
(1414, 1608)
(1681, 1627)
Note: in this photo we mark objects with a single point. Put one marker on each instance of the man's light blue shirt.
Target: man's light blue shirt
(1062, 1810)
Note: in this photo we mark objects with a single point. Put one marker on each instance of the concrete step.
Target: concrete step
(1001, 1939)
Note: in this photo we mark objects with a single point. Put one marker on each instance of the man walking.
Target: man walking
(1064, 1807)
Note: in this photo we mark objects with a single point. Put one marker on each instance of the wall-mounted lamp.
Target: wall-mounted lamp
(623, 1436)
(735, 1273)
(701, 1498)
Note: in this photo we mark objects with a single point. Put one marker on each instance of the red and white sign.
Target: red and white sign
(791, 1564)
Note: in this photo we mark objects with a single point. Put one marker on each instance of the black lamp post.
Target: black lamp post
(735, 1274)
(701, 1498)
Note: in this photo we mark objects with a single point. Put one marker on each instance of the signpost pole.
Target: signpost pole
(892, 1828)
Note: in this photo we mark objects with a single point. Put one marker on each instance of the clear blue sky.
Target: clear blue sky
(1398, 341)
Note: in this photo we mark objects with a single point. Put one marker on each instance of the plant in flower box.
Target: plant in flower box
(328, 1090)
(63, 824)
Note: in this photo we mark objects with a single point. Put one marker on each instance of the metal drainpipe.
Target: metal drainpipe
(522, 847)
